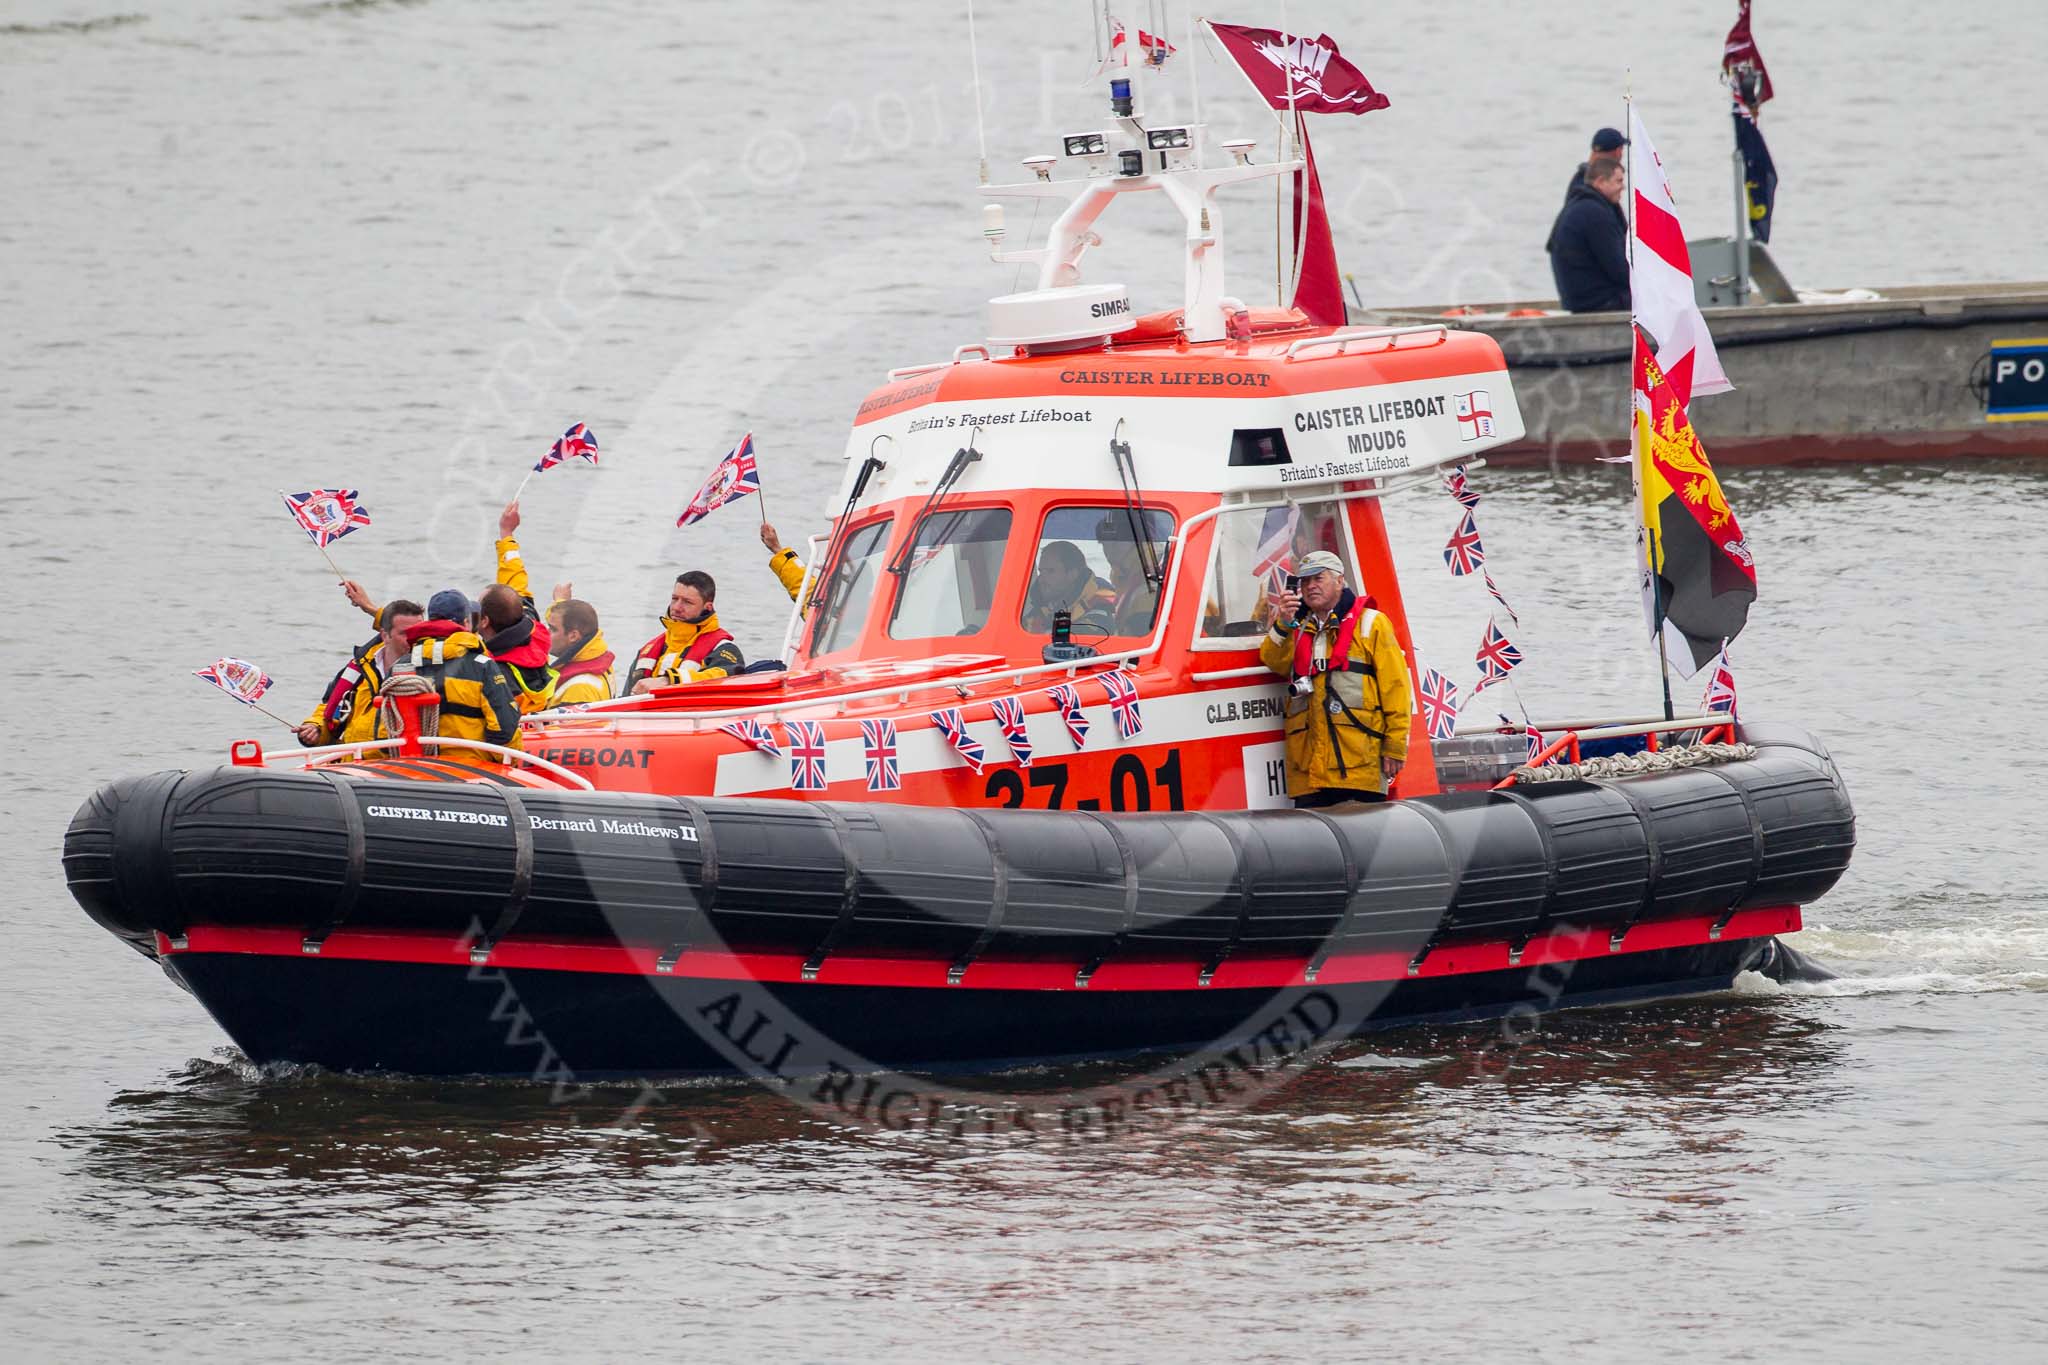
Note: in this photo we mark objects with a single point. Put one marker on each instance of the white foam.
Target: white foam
(1909, 983)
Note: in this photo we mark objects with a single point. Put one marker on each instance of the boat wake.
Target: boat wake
(1997, 952)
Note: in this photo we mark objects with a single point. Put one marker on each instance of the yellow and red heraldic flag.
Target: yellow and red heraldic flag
(1700, 576)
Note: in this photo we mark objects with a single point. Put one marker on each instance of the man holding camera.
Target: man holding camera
(1347, 696)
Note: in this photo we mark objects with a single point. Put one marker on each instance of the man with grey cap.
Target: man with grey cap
(1347, 687)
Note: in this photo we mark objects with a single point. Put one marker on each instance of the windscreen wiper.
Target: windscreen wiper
(962, 458)
(1127, 475)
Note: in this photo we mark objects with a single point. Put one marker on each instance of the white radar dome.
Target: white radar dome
(1047, 317)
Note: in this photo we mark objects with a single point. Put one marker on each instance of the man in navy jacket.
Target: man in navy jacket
(1589, 244)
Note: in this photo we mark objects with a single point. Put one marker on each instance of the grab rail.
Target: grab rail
(341, 753)
(1569, 741)
(1391, 335)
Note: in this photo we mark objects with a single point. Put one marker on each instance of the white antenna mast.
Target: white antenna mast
(974, 60)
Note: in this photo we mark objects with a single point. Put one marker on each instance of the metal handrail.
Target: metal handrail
(324, 753)
(1390, 335)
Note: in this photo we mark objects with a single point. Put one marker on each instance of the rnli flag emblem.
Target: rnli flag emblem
(1475, 416)
(239, 678)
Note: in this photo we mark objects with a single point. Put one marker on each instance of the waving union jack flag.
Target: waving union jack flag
(326, 514)
(1464, 553)
(239, 678)
(754, 735)
(806, 755)
(878, 738)
(1720, 698)
(1068, 698)
(1009, 715)
(955, 730)
(1460, 487)
(577, 443)
(1123, 702)
(1497, 658)
(1437, 698)
(735, 477)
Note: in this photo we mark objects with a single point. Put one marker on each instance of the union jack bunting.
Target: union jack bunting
(1123, 702)
(1009, 716)
(754, 735)
(878, 739)
(1460, 487)
(1437, 699)
(239, 678)
(1720, 697)
(577, 443)
(1494, 588)
(1068, 698)
(326, 514)
(1464, 553)
(1497, 657)
(955, 730)
(806, 754)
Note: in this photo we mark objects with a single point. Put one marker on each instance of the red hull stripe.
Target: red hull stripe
(986, 974)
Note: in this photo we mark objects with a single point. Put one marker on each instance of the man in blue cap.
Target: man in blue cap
(477, 700)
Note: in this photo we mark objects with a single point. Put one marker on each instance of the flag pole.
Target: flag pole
(1647, 537)
(316, 545)
(762, 496)
(522, 484)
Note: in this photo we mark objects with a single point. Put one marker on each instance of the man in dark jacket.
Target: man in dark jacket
(1589, 244)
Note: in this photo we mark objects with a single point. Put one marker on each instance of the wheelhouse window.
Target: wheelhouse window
(1089, 564)
(950, 573)
(1257, 548)
(847, 595)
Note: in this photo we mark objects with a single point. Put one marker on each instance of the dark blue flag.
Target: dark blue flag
(1757, 170)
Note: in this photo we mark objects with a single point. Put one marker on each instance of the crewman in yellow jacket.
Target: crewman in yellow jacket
(1347, 688)
(478, 701)
(782, 561)
(347, 713)
(692, 646)
(583, 659)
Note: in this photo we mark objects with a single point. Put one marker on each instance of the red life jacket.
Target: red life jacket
(699, 650)
(601, 663)
(1305, 664)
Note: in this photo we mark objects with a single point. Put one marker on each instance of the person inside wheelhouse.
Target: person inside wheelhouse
(1099, 563)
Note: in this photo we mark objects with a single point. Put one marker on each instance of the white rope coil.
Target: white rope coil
(408, 685)
(1635, 765)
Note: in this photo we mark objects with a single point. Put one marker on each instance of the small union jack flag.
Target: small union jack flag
(754, 735)
(955, 730)
(1460, 487)
(1123, 702)
(1464, 553)
(1437, 697)
(1068, 698)
(577, 443)
(327, 514)
(878, 737)
(806, 754)
(239, 678)
(1535, 738)
(1009, 716)
(735, 477)
(1493, 588)
(1720, 697)
(1497, 658)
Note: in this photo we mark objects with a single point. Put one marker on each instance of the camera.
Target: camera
(1301, 687)
(1294, 583)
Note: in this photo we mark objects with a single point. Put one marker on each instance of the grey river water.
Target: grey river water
(252, 245)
